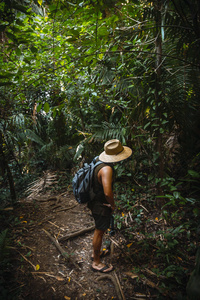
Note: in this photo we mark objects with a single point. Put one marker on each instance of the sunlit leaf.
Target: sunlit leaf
(46, 107)
(39, 107)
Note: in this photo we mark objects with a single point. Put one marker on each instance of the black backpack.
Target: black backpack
(82, 182)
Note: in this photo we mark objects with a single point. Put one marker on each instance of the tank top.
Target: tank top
(97, 205)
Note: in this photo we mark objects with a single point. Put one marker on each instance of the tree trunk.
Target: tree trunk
(158, 97)
(5, 166)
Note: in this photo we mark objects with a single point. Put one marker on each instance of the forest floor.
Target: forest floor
(52, 256)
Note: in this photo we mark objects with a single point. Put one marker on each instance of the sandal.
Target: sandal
(103, 269)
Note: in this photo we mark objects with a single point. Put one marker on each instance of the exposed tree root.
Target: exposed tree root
(115, 280)
(77, 233)
(67, 208)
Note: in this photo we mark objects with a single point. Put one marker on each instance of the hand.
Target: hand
(109, 205)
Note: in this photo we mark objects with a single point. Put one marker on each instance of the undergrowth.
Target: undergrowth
(164, 241)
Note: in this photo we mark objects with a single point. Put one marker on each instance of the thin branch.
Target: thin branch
(62, 251)
(34, 267)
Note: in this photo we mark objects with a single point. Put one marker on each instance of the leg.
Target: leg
(101, 223)
(97, 242)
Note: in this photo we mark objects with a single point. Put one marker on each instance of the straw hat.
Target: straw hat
(114, 152)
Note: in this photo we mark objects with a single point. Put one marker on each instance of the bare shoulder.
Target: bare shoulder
(107, 169)
(105, 176)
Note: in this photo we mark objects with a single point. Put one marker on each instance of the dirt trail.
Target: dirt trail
(42, 268)
(42, 272)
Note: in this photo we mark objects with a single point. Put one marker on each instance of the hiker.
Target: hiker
(103, 205)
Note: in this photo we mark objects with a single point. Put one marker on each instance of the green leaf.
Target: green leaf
(193, 173)
(34, 137)
(102, 31)
(191, 200)
(176, 195)
(11, 36)
(46, 107)
(145, 126)
(39, 107)
(18, 52)
(162, 130)
(33, 49)
(196, 212)
(7, 75)
(114, 48)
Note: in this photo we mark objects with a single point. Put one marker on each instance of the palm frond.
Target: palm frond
(34, 137)
(108, 131)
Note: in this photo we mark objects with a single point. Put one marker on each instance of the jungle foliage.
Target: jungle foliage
(75, 74)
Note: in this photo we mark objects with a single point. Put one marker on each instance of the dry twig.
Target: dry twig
(34, 267)
(56, 243)
(120, 288)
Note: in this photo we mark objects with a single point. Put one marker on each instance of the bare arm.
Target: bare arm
(105, 177)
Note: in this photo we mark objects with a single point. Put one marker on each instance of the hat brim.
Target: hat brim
(126, 152)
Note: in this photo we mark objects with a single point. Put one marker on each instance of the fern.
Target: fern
(109, 131)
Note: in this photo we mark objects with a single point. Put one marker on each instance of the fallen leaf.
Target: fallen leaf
(67, 298)
(150, 283)
(37, 267)
(130, 274)
(8, 208)
(139, 295)
(129, 245)
(59, 278)
(179, 258)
